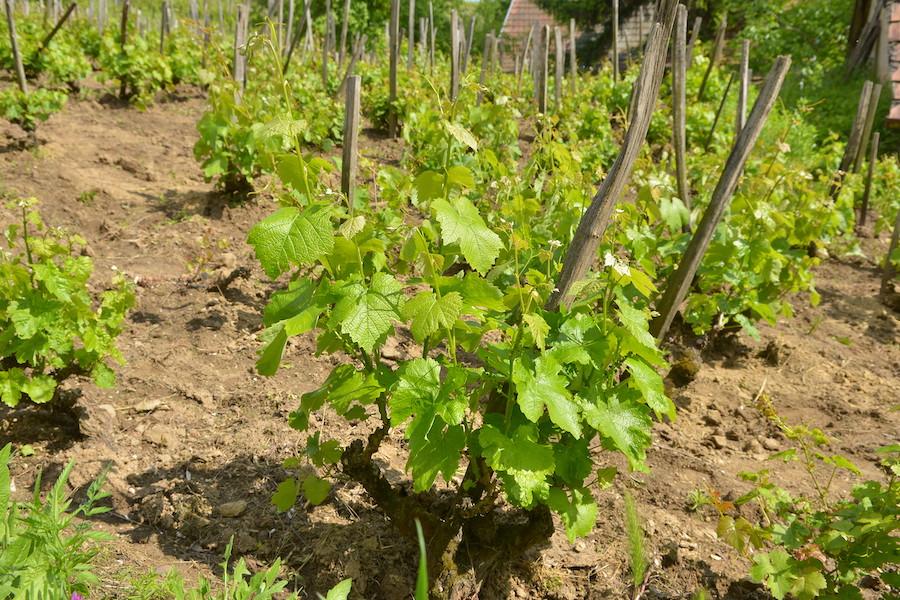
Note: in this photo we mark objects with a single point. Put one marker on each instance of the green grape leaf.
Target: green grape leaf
(344, 387)
(463, 136)
(292, 171)
(316, 490)
(461, 223)
(285, 494)
(635, 321)
(773, 568)
(517, 453)
(651, 386)
(538, 328)
(11, 382)
(429, 313)
(433, 448)
(578, 514)
(284, 126)
(540, 384)
(40, 388)
(460, 176)
(478, 293)
(351, 227)
(625, 422)
(341, 591)
(103, 376)
(417, 386)
(428, 186)
(297, 300)
(292, 237)
(366, 314)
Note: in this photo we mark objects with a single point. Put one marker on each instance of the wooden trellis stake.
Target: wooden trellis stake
(559, 67)
(163, 26)
(469, 38)
(488, 43)
(873, 158)
(615, 41)
(351, 137)
(410, 50)
(677, 287)
(14, 43)
(123, 83)
(395, 55)
(679, 101)
(432, 37)
(454, 55)
(573, 63)
(853, 142)
(743, 89)
(712, 129)
(582, 252)
(716, 57)
(541, 68)
(695, 32)
(359, 47)
(867, 128)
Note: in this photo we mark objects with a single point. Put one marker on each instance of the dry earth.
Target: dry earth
(195, 438)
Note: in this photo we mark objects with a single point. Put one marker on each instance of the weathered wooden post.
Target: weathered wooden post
(867, 128)
(717, 55)
(695, 32)
(582, 251)
(56, 28)
(395, 56)
(14, 43)
(431, 37)
(677, 287)
(853, 142)
(454, 55)
(679, 101)
(488, 43)
(543, 54)
(873, 158)
(410, 50)
(469, 38)
(351, 138)
(345, 24)
(615, 41)
(239, 69)
(573, 63)
(743, 89)
(559, 67)
(712, 129)
(123, 40)
(163, 26)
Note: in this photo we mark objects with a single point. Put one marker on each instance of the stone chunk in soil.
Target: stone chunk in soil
(232, 509)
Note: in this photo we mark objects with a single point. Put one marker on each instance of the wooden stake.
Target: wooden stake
(432, 36)
(615, 41)
(717, 55)
(559, 67)
(289, 34)
(412, 35)
(59, 24)
(239, 69)
(867, 128)
(573, 63)
(679, 71)
(873, 158)
(123, 83)
(395, 52)
(351, 137)
(359, 46)
(695, 32)
(543, 51)
(853, 142)
(677, 287)
(454, 55)
(469, 39)
(488, 43)
(14, 43)
(712, 129)
(163, 27)
(582, 252)
(743, 89)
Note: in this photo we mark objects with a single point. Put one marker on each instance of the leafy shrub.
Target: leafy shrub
(44, 553)
(818, 547)
(36, 107)
(49, 330)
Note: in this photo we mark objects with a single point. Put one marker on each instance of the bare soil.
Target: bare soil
(191, 427)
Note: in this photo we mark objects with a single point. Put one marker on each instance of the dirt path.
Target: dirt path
(191, 428)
